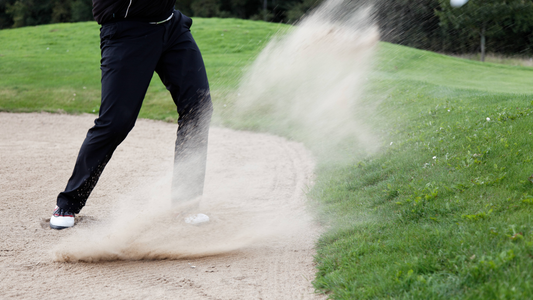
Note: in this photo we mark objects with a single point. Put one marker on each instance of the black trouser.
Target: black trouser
(131, 52)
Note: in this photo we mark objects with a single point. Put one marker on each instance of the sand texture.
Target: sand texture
(128, 242)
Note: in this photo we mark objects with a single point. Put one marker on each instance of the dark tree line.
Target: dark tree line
(504, 26)
(499, 26)
(18, 13)
(287, 11)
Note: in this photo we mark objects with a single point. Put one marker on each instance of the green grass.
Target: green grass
(57, 67)
(422, 66)
(512, 60)
(443, 211)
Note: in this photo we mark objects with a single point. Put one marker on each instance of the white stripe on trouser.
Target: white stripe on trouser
(127, 10)
(165, 20)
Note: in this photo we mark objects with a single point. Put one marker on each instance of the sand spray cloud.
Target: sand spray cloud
(308, 80)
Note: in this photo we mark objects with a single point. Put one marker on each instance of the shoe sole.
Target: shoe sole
(59, 223)
(59, 227)
(197, 219)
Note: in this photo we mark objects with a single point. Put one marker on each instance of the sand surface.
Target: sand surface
(259, 244)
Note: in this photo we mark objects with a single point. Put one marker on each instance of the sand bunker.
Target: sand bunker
(254, 191)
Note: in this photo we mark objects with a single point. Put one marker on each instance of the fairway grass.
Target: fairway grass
(57, 67)
(442, 211)
(445, 210)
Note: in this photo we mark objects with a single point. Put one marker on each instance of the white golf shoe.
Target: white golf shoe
(61, 219)
(196, 219)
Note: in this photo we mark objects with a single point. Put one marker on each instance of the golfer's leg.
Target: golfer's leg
(182, 70)
(127, 67)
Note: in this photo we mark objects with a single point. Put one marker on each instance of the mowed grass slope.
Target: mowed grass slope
(57, 67)
(443, 211)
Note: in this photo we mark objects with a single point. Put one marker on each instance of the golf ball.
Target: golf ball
(458, 3)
